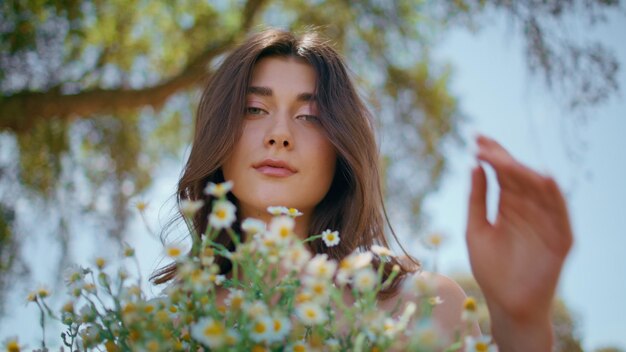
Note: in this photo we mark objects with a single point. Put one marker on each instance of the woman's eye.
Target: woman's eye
(254, 111)
(309, 118)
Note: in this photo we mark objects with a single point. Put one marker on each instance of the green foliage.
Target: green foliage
(41, 153)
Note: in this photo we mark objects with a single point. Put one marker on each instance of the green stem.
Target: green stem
(42, 318)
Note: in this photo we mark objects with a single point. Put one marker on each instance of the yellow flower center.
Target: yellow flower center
(173, 252)
(284, 232)
(277, 325)
(302, 297)
(299, 348)
(213, 329)
(153, 346)
(13, 346)
(470, 304)
(319, 289)
(259, 328)
(311, 313)
(481, 346)
(330, 237)
(221, 213)
(435, 240)
(236, 302)
(129, 308)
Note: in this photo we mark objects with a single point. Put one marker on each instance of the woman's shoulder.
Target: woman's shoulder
(446, 294)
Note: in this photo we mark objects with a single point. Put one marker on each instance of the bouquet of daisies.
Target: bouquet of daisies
(278, 297)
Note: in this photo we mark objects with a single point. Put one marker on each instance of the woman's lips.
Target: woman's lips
(275, 168)
(274, 171)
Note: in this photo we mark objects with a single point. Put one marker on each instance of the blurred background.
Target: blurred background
(97, 108)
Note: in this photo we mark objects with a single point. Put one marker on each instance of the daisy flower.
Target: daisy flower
(321, 267)
(256, 309)
(12, 344)
(381, 251)
(479, 344)
(296, 257)
(311, 313)
(390, 327)
(73, 275)
(330, 238)
(470, 310)
(100, 262)
(434, 240)
(174, 251)
(217, 279)
(253, 226)
(198, 280)
(261, 329)
(218, 190)
(356, 261)
(141, 206)
(276, 211)
(223, 214)
(282, 227)
(293, 212)
(419, 284)
(281, 327)
(365, 279)
(318, 289)
(190, 207)
(235, 299)
(43, 292)
(232, 337)
(209, 332)
(299, 346)
(352, 263)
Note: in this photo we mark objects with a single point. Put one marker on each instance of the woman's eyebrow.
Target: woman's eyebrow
(262, 91)
(267, 92)
(305, 97)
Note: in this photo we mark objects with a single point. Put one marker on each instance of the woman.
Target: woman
(281, 118)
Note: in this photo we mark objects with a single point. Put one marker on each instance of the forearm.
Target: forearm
(512, 336)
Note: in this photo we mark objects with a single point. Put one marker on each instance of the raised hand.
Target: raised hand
(517, 259)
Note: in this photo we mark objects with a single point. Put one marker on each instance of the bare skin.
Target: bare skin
(517, 259)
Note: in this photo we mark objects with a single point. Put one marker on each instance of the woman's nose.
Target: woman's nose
(279, 135)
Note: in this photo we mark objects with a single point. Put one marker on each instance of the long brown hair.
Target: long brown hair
(354, 203)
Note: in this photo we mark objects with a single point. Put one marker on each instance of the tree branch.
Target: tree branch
(22, 110)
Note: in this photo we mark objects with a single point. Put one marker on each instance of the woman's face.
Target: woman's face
(283, 157)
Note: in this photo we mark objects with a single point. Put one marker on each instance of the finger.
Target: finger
(477, 209)
(512, 175)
